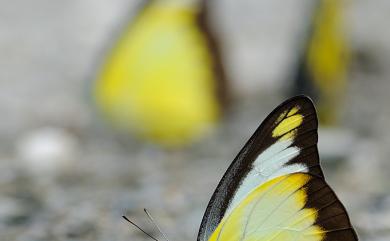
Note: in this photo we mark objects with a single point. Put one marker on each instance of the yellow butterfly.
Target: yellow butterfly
(323, 67)
(275, 189)
(163, 80)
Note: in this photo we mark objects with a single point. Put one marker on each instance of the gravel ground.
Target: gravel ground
(66, 176)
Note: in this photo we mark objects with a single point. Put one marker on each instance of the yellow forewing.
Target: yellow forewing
(273, 211)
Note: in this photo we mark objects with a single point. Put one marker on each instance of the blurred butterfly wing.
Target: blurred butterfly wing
(322, 67)
(163, 80)
(285, 143)
(288, 208)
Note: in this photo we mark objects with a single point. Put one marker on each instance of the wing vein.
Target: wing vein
(274, 186)
(269, 215)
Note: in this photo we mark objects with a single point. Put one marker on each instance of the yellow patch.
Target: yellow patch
(289, 135)
(281, 116)
(273, 211)
(158, 81)
(288, 124)
(293, 111)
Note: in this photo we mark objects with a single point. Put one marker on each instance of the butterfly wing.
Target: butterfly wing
(322, 70)
(284, 144)
(162, 79)
(288, 208)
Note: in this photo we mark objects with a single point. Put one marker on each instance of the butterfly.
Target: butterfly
(322, 67)
(275, 189)
(164, 80)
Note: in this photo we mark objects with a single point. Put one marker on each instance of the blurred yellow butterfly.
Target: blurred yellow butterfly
(323, 67)
(162, 79)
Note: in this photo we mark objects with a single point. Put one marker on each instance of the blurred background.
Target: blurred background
(69, 172)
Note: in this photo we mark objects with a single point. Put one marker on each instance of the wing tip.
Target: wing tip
(301, 97)
(302, 100)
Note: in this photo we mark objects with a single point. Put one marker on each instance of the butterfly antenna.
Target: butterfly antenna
(149, 235)
(155, 224)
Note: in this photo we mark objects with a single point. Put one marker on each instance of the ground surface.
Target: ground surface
(80, 187)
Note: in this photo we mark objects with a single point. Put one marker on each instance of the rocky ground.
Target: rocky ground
(65, 176)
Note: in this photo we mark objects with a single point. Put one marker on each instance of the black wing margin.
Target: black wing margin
(332, 216)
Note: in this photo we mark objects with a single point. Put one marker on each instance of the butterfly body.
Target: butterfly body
(275, 190)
